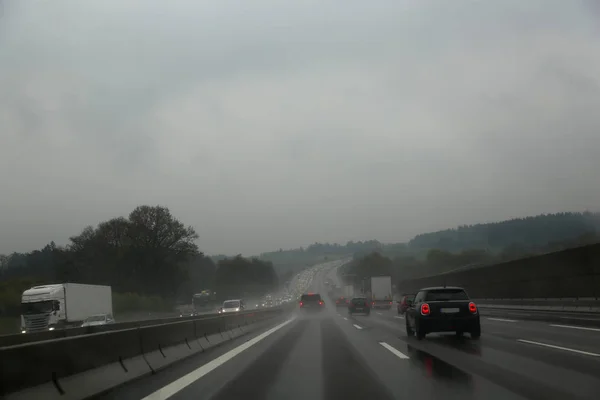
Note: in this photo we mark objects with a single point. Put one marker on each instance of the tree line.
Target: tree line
(149, 255)
(530, 232)
(438, 261)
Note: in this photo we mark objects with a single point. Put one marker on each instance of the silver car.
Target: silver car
(100, 319)
(230, 306)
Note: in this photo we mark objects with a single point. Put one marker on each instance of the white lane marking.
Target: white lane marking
(398, 316)
(345, 319)
(502, 319)
(577, 327)
(559, 347)
(357, 326)
(394, 351)
(186, 380)
(378, 313)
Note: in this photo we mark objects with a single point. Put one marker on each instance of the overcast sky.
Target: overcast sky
(268, 124)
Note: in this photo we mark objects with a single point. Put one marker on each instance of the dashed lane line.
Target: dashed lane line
(577, 327)
(394, 351)
(587, 353)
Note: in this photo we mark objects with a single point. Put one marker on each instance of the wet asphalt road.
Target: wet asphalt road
(331, 355)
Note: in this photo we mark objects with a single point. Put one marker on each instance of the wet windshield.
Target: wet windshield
(307, 298)
(359, 302)
(37, 307)
(248, 188)
(446, 294)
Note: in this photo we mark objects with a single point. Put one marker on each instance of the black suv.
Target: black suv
(442, 309)
(359, 305)
(312, 302)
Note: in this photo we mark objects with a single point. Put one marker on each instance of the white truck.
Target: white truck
(381, 292)
(50, 307)
(349, 291)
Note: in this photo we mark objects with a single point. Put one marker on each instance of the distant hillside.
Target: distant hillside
(529, 232)
(452, 248)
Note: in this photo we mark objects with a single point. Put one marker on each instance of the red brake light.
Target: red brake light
(301, 304)
(425, 309)
(321, 302)
(373, 303)
(390, 302)
(472, 308)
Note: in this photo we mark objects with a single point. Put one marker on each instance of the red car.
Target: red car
(404, 303)
(342, 302)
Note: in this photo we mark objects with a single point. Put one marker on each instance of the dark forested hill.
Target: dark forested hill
(529, 232)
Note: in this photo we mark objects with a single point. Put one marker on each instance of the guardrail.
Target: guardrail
(86, 365)
(20, 338)
(554, 305)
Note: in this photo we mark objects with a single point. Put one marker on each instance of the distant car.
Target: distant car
(442, 309)
(231, 306)
(403, 304)
(341, 302)
(359, 305)
(312, 302)
(100, 319)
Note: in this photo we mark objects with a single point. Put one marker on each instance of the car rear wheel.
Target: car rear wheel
(476, 333)
(420, 332)
(409, 331)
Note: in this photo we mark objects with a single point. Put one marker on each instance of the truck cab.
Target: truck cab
(42, 308)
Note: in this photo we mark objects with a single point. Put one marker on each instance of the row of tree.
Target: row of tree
(530, 232)
(150, 253)
(437, 261)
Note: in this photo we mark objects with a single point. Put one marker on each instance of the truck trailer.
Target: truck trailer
(381, 292)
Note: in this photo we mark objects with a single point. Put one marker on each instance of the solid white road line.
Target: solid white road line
(357, 327)
(398, 316)
(559, 347)
(378, 313)
(394, 351)
(345, 319)
(577, 327)
(502, 320)
(186, 380)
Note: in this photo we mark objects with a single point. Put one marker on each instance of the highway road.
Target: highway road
(335, 356)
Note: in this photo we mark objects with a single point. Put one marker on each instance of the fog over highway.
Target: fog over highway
(336, 356)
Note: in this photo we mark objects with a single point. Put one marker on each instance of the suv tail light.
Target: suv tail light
(390, 303)
(425, 310)
(321, 302)
(301, 304)
(472, 308)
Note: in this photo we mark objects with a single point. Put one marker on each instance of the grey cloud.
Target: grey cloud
(270, 125)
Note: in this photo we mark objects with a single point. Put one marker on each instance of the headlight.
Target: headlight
(51, 328)
(23, 331)
(237, 309)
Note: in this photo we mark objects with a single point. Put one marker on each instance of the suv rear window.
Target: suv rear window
(359, 302)
(310, 297)
(446, 294)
